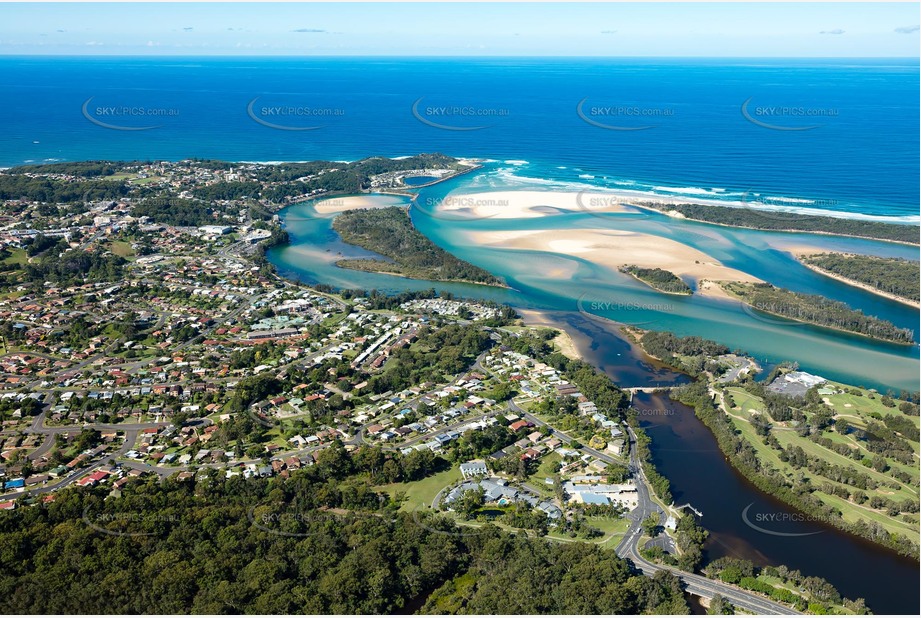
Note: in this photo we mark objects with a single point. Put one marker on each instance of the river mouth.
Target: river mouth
(684, 449)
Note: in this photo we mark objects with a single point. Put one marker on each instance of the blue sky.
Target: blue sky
(429, 29)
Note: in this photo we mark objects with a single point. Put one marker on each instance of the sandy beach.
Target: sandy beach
(532, 204)
(354, 202)
(800, 251)
(567, 347)
(613, 249)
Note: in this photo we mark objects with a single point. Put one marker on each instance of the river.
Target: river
(684, 449)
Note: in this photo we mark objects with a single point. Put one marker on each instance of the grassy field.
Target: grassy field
(17, 256)
(548, 465)
(858, 410)
(613, 529)
(121, 248)
(419, 493)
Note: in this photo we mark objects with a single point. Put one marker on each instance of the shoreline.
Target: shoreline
(854, 283)
(677, 215)
(739, 299)
(531, 204)
(565, 342)
(651, 286)
(434, 281)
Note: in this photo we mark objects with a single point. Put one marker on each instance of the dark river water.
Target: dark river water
(686, 452)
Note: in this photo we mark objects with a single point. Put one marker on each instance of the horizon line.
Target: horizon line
(431, 56)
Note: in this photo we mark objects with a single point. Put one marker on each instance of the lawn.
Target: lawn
(17, 256)
(613, 531)
(548, 466)
(860, 409)
(422, 493)
(121, 248)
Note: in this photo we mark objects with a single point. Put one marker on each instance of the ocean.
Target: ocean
(827, 136)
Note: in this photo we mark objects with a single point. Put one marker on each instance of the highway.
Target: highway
(629, 546)
(695, 584)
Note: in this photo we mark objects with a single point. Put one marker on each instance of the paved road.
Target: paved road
(627, 548)
(73, 476)
(695, 584)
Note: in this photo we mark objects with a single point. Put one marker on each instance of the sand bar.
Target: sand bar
(614, 248)
(531, 204)
(355, 202)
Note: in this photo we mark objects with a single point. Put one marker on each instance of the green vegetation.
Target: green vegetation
(690, 354)
(436, 354)
(751, 218)
(176, 211)
(75, 266)
(891, 275)
(53, 191)
(860, 457)
(817, 310)
(290, 180)
(659, 279)
(416, 495)
(800, 491)
(859, 460)
(322, 541)
(390, 232)
(813, 594)
(86, 169)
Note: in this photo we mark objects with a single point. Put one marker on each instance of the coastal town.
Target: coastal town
(175, 351)
(146, 337)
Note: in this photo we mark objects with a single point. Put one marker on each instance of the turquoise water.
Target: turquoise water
(599, 291)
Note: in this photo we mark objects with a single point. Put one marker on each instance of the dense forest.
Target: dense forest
(288, 180)
(817, 310)
(390, 232)
(751, 218)
(680, 351)
(659, 279)
(86, 169)
(319, 542)
(176, 211)
(75, 267)
(891, 275)
(53, 191)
